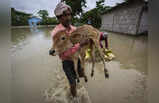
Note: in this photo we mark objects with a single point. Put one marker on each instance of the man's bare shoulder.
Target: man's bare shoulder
(56, 29)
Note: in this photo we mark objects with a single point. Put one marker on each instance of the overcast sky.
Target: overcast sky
(33, 6)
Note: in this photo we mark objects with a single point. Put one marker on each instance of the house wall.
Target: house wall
(144, 23)
(123, 19)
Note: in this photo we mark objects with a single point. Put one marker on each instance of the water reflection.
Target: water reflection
(34, 70)
(123, 86)
(34, 29)
(131, 51)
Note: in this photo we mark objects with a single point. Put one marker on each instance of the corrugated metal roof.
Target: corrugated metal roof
(129, 2)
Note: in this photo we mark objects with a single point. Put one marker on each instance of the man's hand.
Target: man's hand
(84, 42)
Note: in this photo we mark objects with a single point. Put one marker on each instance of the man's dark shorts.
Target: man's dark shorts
(68, 67)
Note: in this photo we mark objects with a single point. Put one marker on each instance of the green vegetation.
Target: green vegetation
(79, 17)
(77, 6)
(95, 14)
(19, 18)
(45, 19)
(51, 21)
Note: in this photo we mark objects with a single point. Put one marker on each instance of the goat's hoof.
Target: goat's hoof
(86, 80)
(92, 74)
(78, 80)
(106, 75)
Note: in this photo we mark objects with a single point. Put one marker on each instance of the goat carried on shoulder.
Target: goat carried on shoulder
(62, 42)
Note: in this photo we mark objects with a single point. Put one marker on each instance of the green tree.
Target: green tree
(44, 15)
(76, 5)
(95, 18)
(100, 5)
(52, 21)
(19, 18)
(95, 14)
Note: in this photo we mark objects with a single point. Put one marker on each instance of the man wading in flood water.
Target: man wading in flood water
(63, 14)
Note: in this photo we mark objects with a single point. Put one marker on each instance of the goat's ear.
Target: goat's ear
(75, 38)
(75, 35)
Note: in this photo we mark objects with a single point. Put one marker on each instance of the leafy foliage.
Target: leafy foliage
(44, 15)
(95, 18)
(77, 6)
(19, 18)
(95, 14)
(51, 21)
(100, 5)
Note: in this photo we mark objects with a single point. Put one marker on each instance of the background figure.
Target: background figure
(104, 37)
(89, 21)
(108, 53)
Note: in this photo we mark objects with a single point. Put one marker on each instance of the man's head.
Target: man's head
(63, 13)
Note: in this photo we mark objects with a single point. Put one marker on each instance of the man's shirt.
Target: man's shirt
(65, 55)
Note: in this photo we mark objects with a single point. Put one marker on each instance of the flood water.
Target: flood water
(34, 71)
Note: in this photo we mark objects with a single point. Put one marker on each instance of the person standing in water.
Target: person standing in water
(63, 13)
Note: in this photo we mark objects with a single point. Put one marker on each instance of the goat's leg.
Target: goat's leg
(75, 68)
(105, 69)
(83, 65)
(101, 54)
(93, 60)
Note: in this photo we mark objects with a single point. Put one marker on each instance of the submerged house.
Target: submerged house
(33, 21)
(130, 17)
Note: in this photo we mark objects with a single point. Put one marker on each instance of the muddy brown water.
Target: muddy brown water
(33, 68)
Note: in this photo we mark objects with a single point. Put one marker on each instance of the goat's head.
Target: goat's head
(61, 42)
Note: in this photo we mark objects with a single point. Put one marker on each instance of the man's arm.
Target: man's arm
(100, 40)
(70, 51)
(74, 49)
